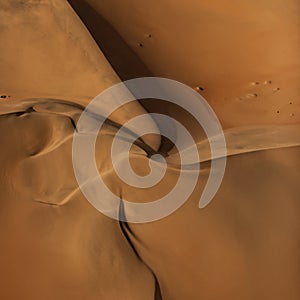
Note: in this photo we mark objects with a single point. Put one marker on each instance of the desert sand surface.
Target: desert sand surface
(242, 57)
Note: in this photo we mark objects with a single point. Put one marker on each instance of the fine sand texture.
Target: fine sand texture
(49, 253)
(242, 57)
(55, 245)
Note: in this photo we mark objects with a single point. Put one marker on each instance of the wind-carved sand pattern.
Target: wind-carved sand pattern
(39, 141)
(84, 162)
(148, 88)
(55, 244)
(57, 121)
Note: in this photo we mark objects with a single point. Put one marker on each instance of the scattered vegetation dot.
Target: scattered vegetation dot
(199, 88)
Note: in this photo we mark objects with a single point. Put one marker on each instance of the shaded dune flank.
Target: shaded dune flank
(40, 186)
(242, 57)
(55, 245)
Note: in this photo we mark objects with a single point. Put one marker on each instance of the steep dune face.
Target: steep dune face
(49, 53)
(244, 245)
(54, 244)
(49, 251)
(242, 56)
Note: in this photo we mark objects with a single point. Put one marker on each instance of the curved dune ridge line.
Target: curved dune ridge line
(48, 251)
(37, 30)
(39, 143)
(53, 243)
(248, 139)
(244, 245)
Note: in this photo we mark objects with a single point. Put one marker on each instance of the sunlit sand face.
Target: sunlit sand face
(243, 58)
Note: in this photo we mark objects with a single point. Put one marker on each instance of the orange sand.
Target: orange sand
(244, 245)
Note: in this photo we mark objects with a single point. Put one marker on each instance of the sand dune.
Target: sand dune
(54, 245)
(242, 57)
(72, 251)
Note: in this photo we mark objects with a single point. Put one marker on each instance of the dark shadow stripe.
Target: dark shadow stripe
(126, 230)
